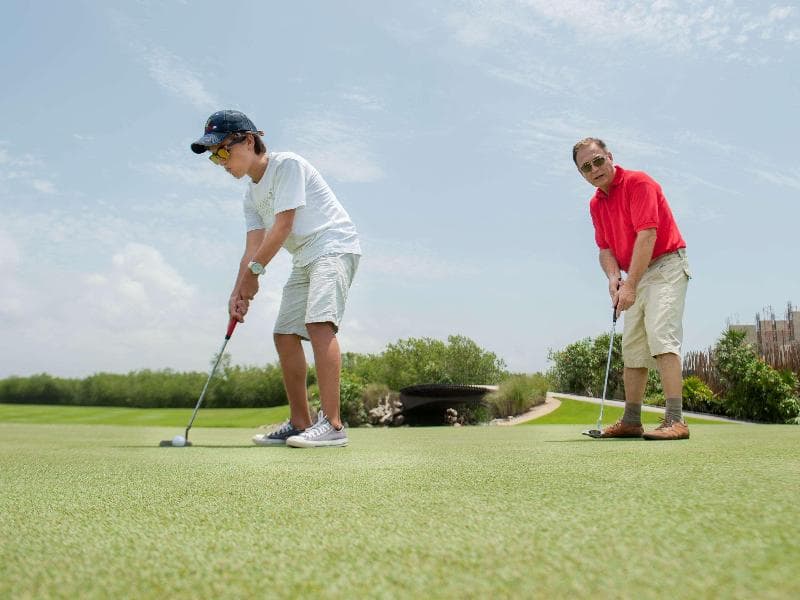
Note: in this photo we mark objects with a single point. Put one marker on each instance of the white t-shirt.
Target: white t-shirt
(321, 224)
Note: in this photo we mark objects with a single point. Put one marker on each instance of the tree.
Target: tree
(581, 366)
(425, 360)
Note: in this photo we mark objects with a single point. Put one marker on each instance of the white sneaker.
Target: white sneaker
(320, 434)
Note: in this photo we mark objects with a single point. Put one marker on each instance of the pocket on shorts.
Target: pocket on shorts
(685, 261)
(674, 269)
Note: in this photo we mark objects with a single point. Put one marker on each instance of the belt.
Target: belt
(680, 252)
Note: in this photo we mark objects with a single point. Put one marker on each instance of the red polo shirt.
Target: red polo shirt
(634, 202)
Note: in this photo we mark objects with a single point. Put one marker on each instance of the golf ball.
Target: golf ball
(178, 440)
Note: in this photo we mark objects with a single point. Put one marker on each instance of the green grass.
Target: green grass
(586, 413)
(147, 417)
(98, 511)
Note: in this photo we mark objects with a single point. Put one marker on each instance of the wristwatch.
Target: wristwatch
(255, 268)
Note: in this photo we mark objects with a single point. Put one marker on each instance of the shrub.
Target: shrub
(517, 394)
(581, 366)
(241, 387)
(754, 390)
(39, 389)
(351, 400)
(654, 392)
(697, 396)
(411, 361)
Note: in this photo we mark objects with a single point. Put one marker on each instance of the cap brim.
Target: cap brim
(209, 139)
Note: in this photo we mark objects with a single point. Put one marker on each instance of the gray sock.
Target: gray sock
(674, 409)
(632, 414)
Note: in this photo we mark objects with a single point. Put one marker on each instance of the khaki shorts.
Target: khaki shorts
(316, 293)
(654, 324)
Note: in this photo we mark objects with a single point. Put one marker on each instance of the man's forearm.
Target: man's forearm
(642, 255)
(609, 264)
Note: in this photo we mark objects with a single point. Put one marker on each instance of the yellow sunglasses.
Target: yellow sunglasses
(223, 153)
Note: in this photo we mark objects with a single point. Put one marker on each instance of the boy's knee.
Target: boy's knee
(323, 328)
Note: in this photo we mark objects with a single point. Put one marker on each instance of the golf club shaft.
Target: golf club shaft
(608, 367)
(231, 327)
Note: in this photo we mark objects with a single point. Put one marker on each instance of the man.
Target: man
(288, 204)
(636, 233)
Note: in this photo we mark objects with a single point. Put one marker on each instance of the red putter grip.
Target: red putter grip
(231, 326)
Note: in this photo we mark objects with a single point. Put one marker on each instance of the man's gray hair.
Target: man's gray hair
(586, 142)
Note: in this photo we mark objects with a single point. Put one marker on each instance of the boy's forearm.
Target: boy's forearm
(269, 247)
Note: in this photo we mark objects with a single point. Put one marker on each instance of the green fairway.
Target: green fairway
(570, 412)
(97, 511)
(577, 412)
(146, 417)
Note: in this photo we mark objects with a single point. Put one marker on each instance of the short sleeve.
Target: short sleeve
(599, 232)
(644, 206)
(252, 219)
(290, 186)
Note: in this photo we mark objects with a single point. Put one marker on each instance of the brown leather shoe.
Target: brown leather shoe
(669, 430)
(622, 430)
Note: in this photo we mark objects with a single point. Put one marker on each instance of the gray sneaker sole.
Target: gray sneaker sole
(299, 442)
(263, 441)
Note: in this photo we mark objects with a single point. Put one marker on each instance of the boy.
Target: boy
(289, 205)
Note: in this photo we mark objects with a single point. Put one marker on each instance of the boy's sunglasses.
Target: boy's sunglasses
(223, 153)
(597, 161)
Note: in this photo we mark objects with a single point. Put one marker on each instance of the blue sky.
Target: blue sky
(444, 128)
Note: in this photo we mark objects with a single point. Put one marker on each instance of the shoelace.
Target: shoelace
(319, 428)
(283, 429)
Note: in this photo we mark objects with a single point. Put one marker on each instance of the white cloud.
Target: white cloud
(43, 186)
(167, 69)
(781, 179)
(336, 145)
(362, 98)
(174, 75)
(541, 138)
(408, 260)
(197, 173)
(705, 142)
(673, 26)
(9, 255)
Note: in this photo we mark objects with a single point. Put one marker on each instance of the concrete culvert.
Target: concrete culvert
(428, 404)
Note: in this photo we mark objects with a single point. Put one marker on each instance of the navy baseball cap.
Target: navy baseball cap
(221, 124)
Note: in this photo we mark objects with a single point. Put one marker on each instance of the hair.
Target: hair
(586, 142)
(258, 144)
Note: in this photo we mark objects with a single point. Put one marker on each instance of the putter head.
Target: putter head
(168, 443)
(593, 433)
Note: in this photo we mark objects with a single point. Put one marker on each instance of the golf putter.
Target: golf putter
(228, 334)
(598, 430)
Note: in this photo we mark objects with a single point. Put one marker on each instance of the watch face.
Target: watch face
(256, 268)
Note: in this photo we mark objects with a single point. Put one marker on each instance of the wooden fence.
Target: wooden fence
(701, 364)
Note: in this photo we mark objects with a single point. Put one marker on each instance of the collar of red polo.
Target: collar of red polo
(619, 175)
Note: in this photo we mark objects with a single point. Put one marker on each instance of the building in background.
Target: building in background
(770, 335)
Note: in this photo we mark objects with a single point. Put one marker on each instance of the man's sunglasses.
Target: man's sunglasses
(222, 153)
(597, 161)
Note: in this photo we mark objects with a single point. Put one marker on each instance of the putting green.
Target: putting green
(100, 511)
